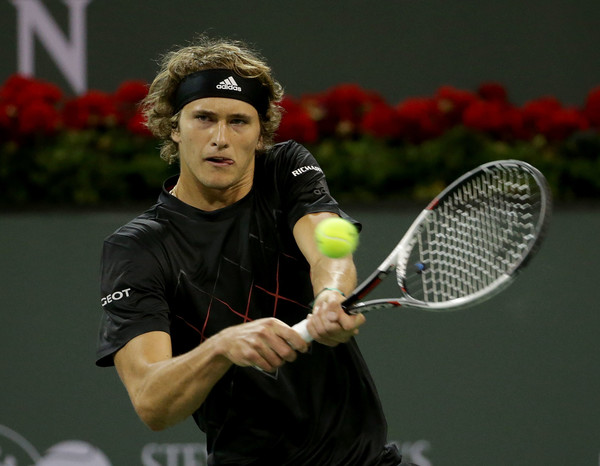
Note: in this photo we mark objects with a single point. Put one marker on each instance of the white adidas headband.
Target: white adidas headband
(222, 83)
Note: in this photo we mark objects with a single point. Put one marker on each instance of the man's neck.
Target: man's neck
(208, 199)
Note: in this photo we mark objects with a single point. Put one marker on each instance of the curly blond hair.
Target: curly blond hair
(206, 53)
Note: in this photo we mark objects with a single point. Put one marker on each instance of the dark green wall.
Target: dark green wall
(398, 47)
(510, 382)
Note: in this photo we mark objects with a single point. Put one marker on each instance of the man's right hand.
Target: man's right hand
(264, 343)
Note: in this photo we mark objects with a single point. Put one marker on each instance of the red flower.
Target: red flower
(39, 91)
(592, 107)
(38, 117)
(493, 92)
(562, 123)
(382, 121)
(131, 92)
(13, 86)
(7, 115)
(21, 91)
(296, 123)
(29, 106)
(452, 103)
(92, 109)
(420, 119)
(312, 103)
(495, 118)
(343, 108)
(536, 113)
(127, 99)
(137, 125)
(547, 116)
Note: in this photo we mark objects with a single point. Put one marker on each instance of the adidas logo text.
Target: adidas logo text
(229, 84)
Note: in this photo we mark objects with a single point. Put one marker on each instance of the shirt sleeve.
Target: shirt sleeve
(302, 185)
(132, 296)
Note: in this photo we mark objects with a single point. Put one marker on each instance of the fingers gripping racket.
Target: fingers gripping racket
(468, 244)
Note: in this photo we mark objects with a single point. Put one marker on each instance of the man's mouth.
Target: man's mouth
(223, 161)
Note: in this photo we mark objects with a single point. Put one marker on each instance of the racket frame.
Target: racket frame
(397, 259)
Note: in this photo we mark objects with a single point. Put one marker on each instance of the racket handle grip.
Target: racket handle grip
(302, 330)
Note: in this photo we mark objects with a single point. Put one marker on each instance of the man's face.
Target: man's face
(217, 139)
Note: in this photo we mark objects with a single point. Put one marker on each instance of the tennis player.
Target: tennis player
(199, 292)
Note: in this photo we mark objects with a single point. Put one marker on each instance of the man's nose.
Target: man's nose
(220, 135)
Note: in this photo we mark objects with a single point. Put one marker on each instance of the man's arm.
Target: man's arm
(328, 324)
(165, 390)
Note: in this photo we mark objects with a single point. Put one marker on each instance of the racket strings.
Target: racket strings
(479, 233)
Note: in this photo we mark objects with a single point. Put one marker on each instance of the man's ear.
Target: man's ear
(175, 136)
(260, 144)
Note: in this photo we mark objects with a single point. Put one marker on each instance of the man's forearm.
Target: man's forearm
(339, 274)
(171, 390)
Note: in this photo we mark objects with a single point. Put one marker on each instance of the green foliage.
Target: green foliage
(81, 168)
(113, 167)
(368, 170)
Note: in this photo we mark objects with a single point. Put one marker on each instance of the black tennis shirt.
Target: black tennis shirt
(192, 273)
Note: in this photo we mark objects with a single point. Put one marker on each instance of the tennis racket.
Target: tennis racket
(468, 244)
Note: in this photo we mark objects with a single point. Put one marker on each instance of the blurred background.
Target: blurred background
(395, 99)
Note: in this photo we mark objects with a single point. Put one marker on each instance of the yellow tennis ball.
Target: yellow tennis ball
(336, 237)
